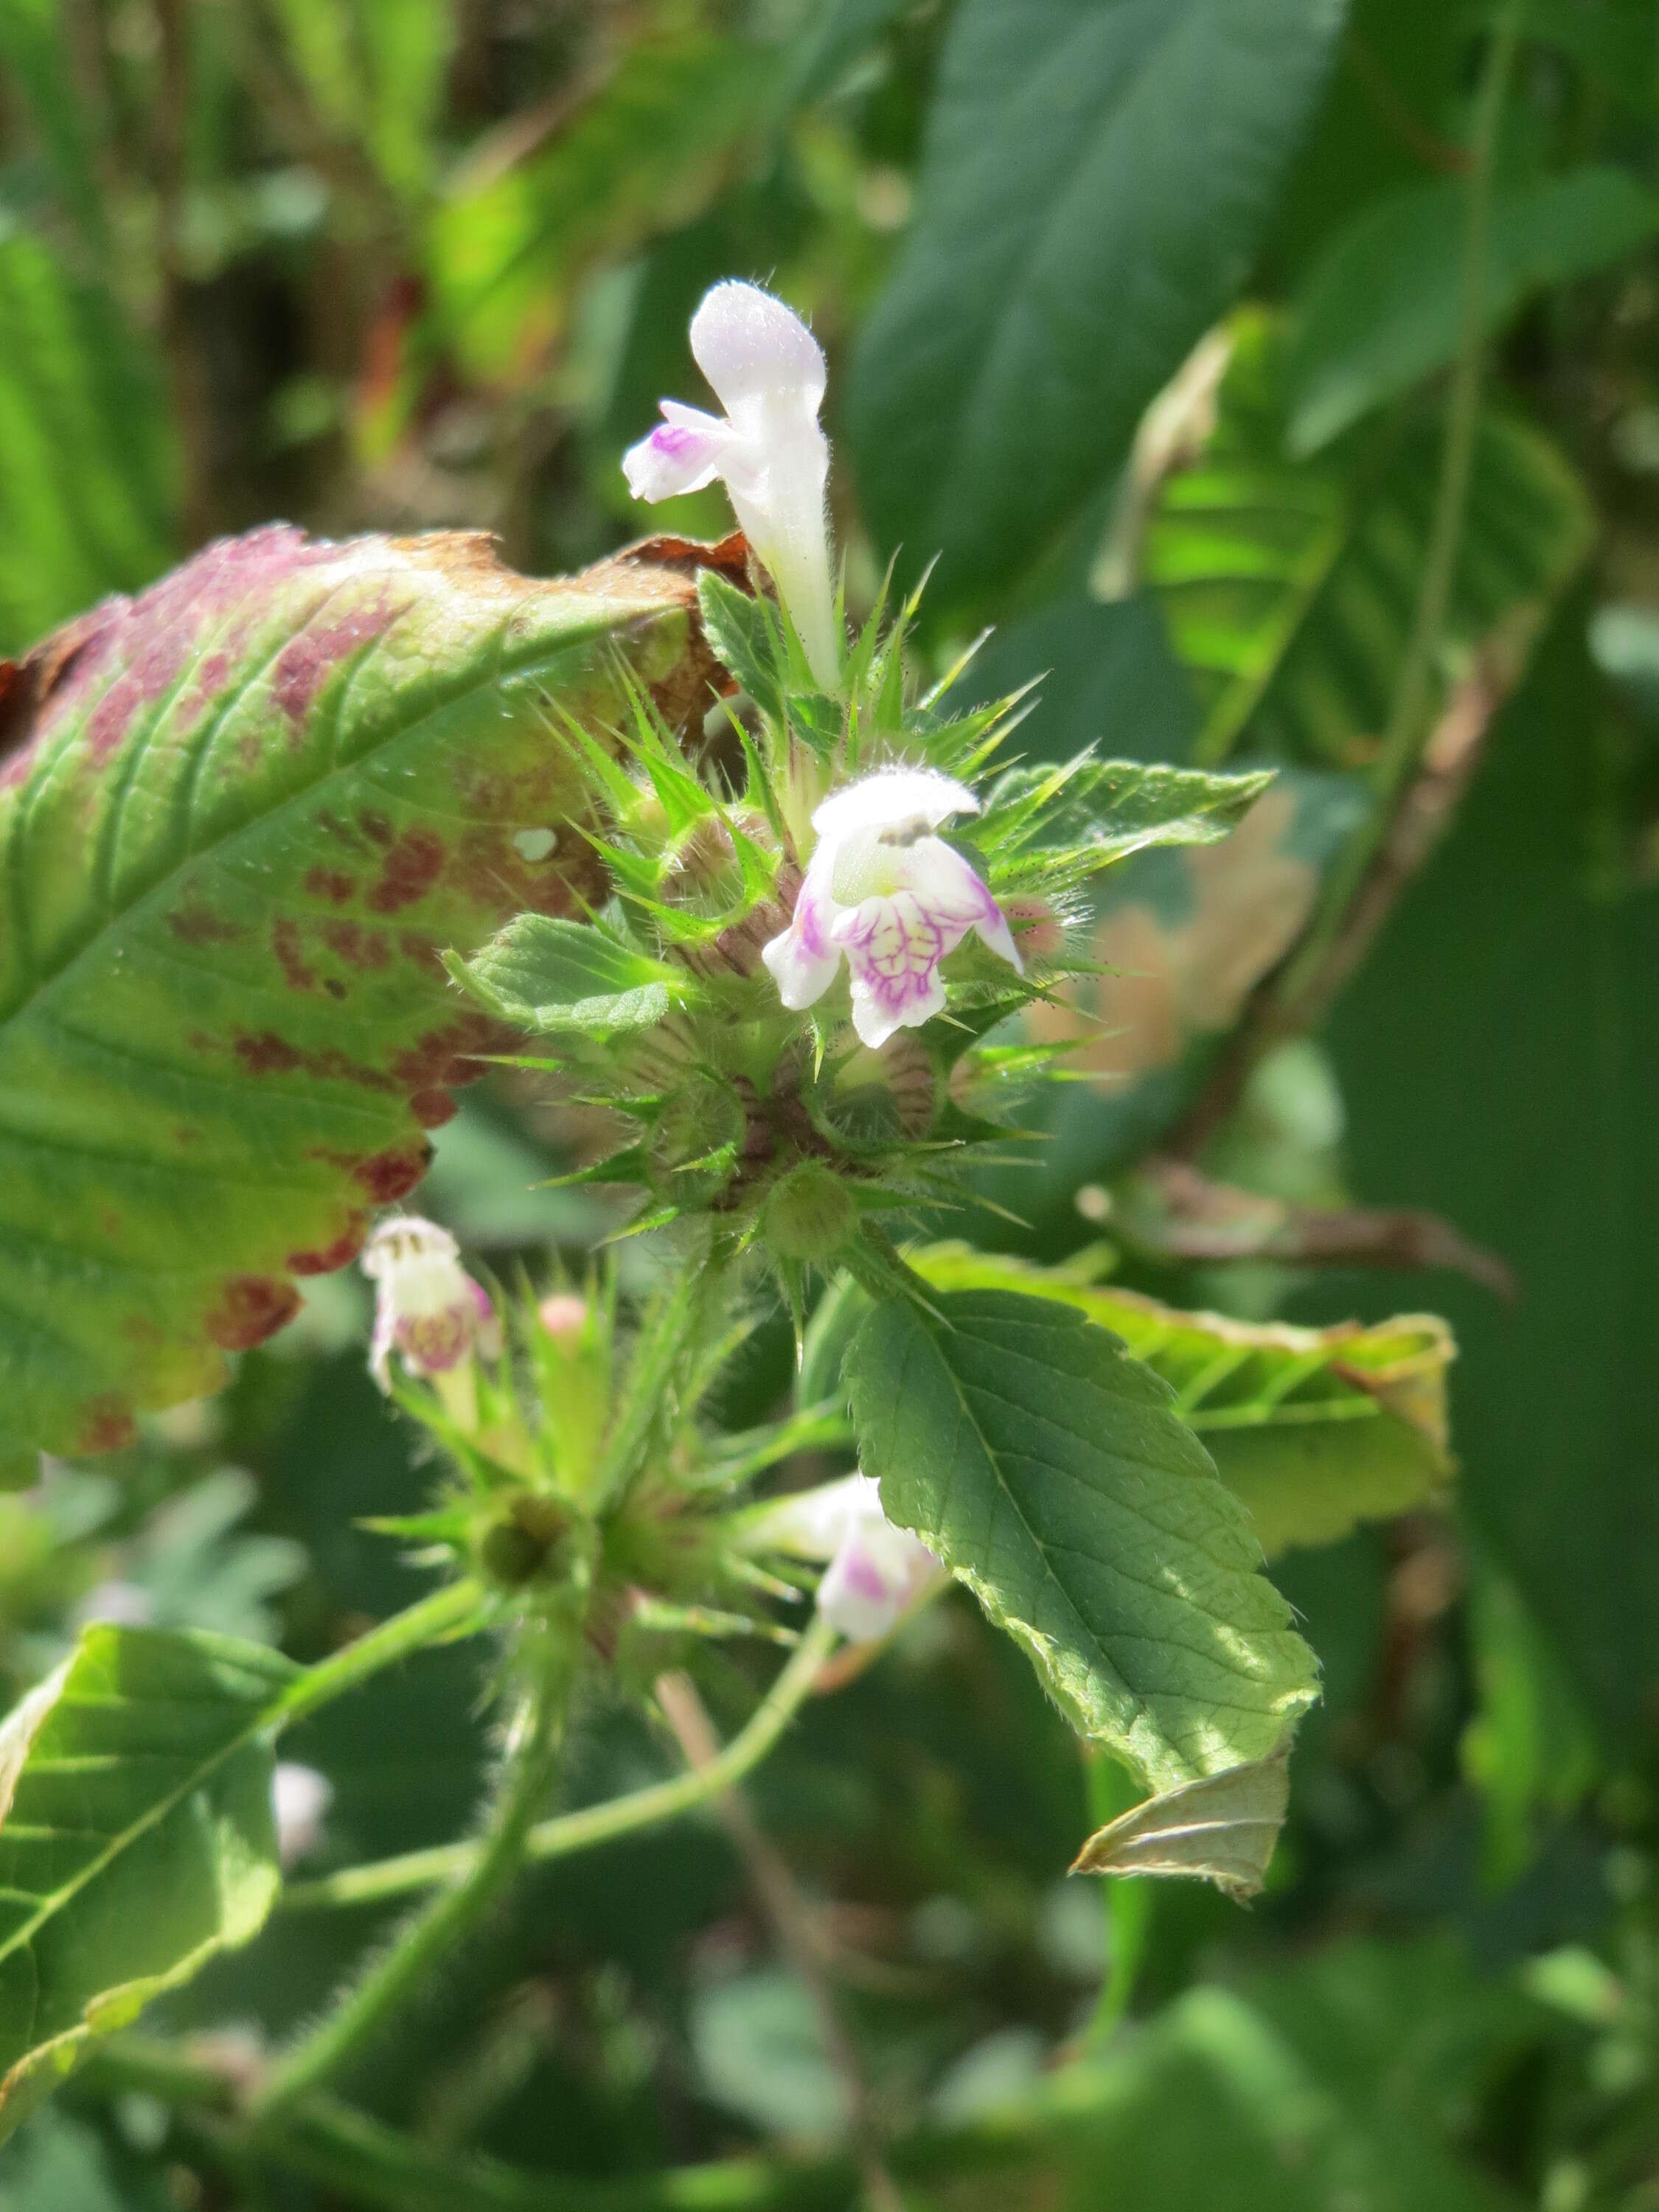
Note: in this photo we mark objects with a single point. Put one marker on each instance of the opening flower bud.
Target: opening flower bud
(427, 1308)
(768, 371)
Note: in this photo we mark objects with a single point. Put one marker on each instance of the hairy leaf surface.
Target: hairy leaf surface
(1052, 1473)
(136, 1837)
(1313, 1429)
(547, 975)
(238, 817)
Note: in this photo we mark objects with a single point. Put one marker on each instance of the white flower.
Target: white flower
(875, 1570)
(426, 1307)
(881, 890)
(299, 1799)
(768, 371)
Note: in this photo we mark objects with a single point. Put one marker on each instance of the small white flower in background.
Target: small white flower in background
(883, 892)
(116, 1604)
(426, 1307)
(874, 1572)
(768, 371)
(299, 1799)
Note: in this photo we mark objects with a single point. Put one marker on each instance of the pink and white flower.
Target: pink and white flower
(882, 891)
(427, 1308)
(768, 371)
(875, 1571)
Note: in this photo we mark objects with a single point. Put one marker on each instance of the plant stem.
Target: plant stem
(594, 1824)
(1365, 876)
(796, 1933)
(366, 2008)
(1410, 719)
(455, 1610)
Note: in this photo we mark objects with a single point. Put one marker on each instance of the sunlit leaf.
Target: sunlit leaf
(548, 976)
(1052, 1474)
(239, 817)
(137, 1838)
(1313, 1429)
(1290, 587)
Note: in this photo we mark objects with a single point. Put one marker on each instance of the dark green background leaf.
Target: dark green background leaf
(1096, 176)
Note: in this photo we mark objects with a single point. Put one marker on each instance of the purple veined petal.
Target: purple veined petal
(952, 890)
(802, 959)
(684, 454)
(752, 347)
(894, 947)
(891, 798)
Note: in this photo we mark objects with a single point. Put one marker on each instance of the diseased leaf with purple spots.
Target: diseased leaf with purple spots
(239, 815)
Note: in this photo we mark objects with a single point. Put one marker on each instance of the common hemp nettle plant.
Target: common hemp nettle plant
(710, 867)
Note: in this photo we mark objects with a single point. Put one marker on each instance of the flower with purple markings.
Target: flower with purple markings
(427, 1308)
(767, 449)
(875, 1571)
(885, 894)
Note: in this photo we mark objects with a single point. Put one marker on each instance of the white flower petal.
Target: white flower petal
(891, 798)
(813, 1524)
(875, 1574)
(802, 959)
(686, 452)
(894, 947)
(751, 347)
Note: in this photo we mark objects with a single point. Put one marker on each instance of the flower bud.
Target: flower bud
(809, 1214)
(564, 1316)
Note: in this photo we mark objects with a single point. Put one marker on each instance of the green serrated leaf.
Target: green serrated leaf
(1051, 1473)
(1057, 827)
(137, 1836)
(743, 629)
(1313, 1429)
(241, 814)
(548, 976)
(1220, 1829)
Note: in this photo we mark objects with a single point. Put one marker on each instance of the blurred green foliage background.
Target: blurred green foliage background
(400, 264)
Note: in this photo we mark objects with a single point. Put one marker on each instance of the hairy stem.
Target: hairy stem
(1409, 717)
(368, 2007)
(792, 1924)
(455, 1610)
(569, 1833)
